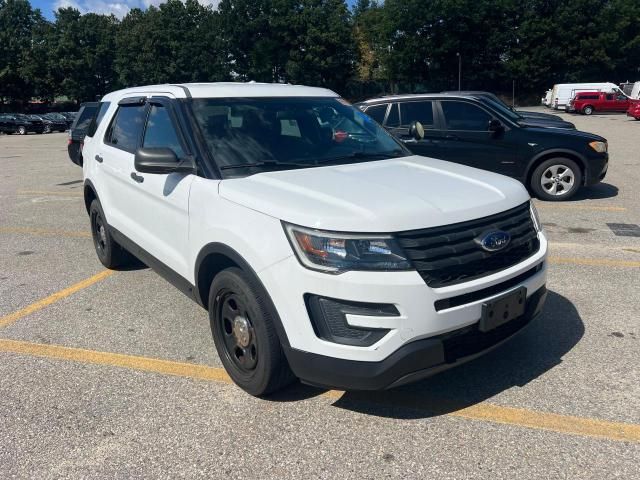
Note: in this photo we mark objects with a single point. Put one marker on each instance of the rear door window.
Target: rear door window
(417, 112)
(465, 116)
(126, 127)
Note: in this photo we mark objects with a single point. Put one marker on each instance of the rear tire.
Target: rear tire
(556, 179)
(242, 325)
(21, 130)
(110, 253)
(588, 110)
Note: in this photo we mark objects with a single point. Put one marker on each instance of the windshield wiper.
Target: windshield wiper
(357, 156)
(267, 163)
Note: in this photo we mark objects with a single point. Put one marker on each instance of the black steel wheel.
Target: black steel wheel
(242, 324)
(110, 253)
(237, 331)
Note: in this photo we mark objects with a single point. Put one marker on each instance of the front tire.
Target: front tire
(110, 253)
(242, 325)
(556, 179)
(47, 129)
(588, 110)
(21, 130)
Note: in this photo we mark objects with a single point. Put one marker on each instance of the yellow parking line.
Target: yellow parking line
(48, 193)
(45, 232)
(596, 262)
(484, 411)
(40, 304)
(146, 364)
(580, 207)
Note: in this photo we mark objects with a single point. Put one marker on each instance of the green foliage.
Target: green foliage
(379, 46)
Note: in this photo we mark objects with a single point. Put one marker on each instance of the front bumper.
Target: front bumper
(597, 169)
(413, 361)
(421, 313)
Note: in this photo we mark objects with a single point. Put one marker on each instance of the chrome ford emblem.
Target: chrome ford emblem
(494, 241)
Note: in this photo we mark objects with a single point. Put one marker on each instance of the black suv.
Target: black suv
(20, 124)
(78, 130)
(552, 162)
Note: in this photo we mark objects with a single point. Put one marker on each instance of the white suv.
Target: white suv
(321, 248)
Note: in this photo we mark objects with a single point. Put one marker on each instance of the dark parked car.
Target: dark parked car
(78, 130)
(552, 162)
(20, 124)
(530, 118)
(62, 118)
(50, 124)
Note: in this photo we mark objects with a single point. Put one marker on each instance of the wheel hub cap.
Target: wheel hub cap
(241, 331)
(557, 180)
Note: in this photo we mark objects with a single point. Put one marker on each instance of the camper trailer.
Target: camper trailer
(563, 92)
(546, 100)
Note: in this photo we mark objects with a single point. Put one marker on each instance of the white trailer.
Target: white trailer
(635, 91)
(546, 100)
(563, 92)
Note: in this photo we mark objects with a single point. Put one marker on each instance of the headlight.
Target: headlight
(534, 216)
(600, 147)
(338, 252)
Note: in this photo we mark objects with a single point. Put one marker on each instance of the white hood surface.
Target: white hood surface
(377, 197)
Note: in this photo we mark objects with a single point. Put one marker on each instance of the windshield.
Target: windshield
(290, 132)
(507, 112)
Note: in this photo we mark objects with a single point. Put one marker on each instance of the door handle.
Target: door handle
(137, 178)
(99, 159)
(452, 137)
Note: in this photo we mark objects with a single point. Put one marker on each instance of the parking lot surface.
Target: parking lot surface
(109, 374)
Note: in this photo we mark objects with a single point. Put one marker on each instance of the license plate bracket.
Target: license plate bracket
(503, 309)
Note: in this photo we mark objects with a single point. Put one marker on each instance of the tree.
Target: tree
(17, 20)
(177, 42)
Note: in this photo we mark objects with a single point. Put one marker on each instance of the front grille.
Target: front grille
(450, 254)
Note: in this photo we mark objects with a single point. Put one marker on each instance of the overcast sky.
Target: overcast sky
(118, 7)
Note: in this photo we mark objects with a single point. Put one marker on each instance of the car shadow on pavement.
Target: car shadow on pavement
(595, 192)
(522, 359)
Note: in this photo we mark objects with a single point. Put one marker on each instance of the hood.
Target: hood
(557, 133)
(377, 197)
(544, 123)
(546, 116)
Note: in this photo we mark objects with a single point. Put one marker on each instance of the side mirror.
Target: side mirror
(160, 160)
(495, 126)
(416, 130)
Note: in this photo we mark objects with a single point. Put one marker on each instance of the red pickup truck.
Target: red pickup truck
(589, 102)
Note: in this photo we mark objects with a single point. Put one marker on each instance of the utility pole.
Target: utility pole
(459, 71)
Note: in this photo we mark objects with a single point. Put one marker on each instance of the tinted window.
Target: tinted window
(160, 131)
(393, 119)
(588, 97)
(465, 116)
(609, 96)
(418, 112)
(377, 112)
(96, 118)
(85, 118)
(126, 127)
